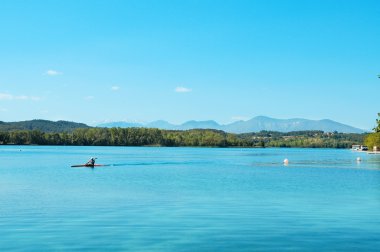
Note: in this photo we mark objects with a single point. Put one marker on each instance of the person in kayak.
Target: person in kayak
(91, 162)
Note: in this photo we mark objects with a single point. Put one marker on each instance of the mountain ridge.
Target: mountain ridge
(42, 125)
(255, 124)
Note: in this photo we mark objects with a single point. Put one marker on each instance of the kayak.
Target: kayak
(90, 166)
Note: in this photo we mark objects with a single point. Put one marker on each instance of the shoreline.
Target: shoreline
(214, 147)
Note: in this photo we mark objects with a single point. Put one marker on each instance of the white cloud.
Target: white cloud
(115, 88)
(53, 72)
(10, 97)
(182, 90)
(4, 96)
(20, 97)
(35, 98)
(90, 97)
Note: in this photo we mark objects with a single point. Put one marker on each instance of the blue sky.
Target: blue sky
(95, 61)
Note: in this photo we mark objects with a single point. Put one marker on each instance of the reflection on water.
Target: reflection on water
(187, 199)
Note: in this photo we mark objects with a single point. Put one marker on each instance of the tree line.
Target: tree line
(124, 137)
(306, 139)
(195, 137)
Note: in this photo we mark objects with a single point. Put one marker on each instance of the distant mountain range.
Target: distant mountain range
(42, 125)
(255, 124)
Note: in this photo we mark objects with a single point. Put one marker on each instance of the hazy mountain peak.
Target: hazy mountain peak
(256, 124)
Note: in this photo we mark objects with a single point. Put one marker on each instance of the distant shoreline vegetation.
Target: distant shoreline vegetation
(177, 138)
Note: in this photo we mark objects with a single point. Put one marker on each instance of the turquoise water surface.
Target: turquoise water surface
(188, 199)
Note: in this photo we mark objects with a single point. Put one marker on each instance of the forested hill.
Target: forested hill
(42, 125)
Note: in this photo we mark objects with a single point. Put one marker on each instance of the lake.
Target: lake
(188, 199)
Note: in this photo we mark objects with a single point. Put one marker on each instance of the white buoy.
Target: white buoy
(358, 159)
(286, 161)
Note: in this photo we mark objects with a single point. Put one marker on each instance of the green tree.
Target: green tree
(372, 140)
(4, 137)
(37, 137)
(19, 137)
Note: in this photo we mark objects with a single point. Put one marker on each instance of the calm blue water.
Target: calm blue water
(188, 199)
